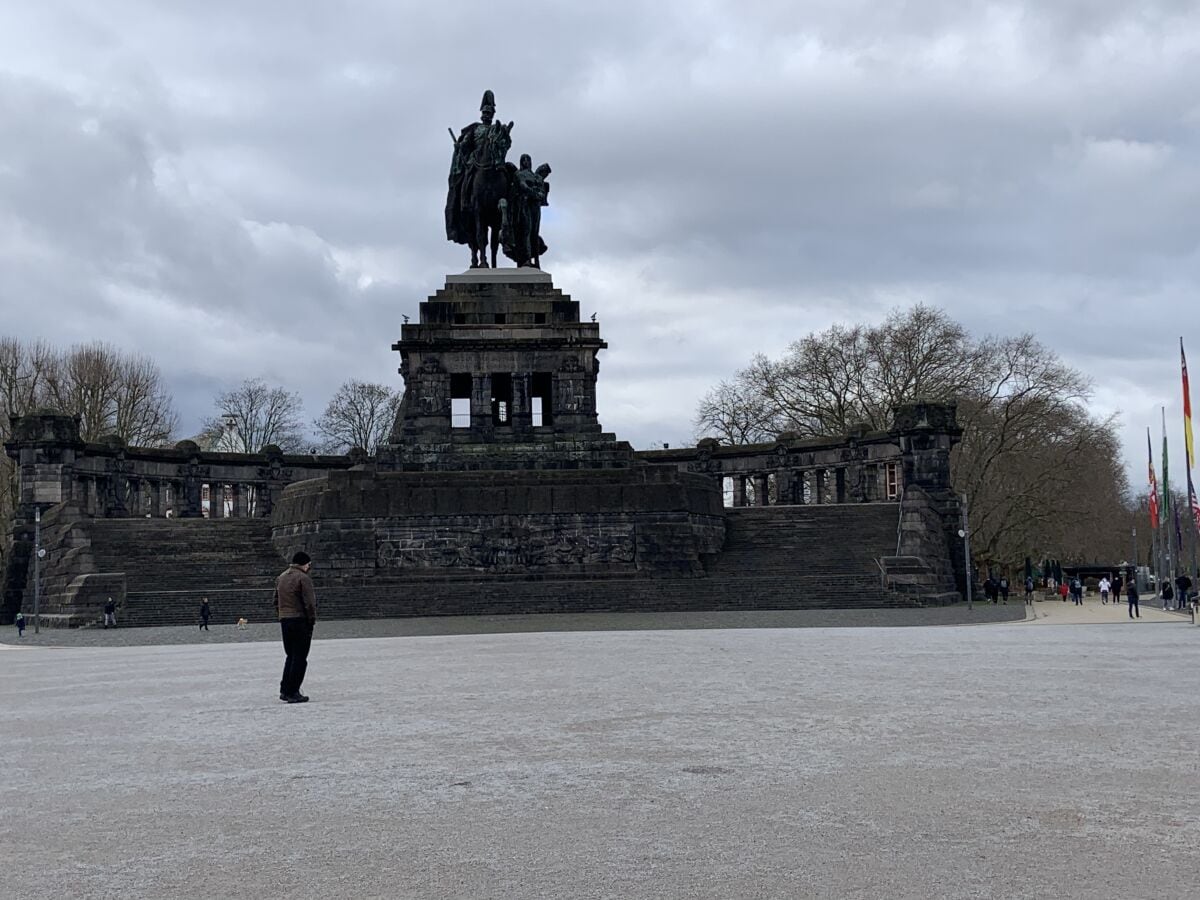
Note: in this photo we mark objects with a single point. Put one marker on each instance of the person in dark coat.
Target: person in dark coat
(20, 624)
(296, 601)
(205, 613)
(1003, 588)
(1132, 594)
(1183, 588)
(110, 613)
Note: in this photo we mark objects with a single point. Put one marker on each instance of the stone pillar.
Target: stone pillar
(739, 490)
(481, 404)
(216, 500)
(156, 498)
(137, 505)
(839, 483)
(761, 492)
(265, 499)
(239, 500)
(521, 415)
(785, 487)
(190, 499)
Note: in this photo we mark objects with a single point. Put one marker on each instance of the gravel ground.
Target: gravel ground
(954, 762)
(372, 628)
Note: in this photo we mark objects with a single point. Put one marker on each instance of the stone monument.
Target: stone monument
(497, 463)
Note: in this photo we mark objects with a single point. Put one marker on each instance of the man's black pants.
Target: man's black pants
(1134, 608)
(297, 638)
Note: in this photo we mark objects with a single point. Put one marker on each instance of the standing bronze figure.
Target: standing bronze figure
(522, 213)
(479, 180)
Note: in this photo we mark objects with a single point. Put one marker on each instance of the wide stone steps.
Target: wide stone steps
(808, 557)
(480, 598)
(170, 564)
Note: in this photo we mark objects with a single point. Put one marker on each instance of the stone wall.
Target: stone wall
(646, 519)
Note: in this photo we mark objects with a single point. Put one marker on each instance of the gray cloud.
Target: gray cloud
(257, 189)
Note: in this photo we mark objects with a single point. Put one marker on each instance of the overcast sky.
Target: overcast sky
(256, 189)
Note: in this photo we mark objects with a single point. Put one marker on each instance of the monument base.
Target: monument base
(652, 521)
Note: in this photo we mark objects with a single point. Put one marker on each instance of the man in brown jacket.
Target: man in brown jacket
(296, 602)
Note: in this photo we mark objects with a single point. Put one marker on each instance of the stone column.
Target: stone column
(239, 500)
(136, 501)
(481, 404)
(189, 499)
(739, 490)
(785, 487)
(818, 477)
(521, 414)
(216, 500)
(839, 484)
(761, 491)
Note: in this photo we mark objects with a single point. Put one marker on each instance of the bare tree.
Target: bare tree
(736, 412)
(254, 415)
(112, 392)
(23, 370)
(360, 415)
(1043, 475)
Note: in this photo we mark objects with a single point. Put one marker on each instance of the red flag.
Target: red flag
(1153, 484)
(1193, 502)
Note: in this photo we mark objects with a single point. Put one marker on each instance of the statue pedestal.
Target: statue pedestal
(522, 275)
(497, 466)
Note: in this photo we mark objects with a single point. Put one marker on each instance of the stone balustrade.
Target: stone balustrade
(861, 466)
(107, 479)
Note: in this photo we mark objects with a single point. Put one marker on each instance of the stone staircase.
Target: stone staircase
(782, 557)
(169, 564)
(812, 557)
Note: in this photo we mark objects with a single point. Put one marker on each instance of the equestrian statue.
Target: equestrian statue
(490, 202)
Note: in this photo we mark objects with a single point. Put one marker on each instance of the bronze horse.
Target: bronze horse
(488, 189)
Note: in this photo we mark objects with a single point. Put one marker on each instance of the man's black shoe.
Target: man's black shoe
(293, 698)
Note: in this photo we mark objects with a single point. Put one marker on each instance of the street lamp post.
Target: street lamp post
(965, 534)
(37, 569)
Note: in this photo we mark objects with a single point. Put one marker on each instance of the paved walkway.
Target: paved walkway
(435, 625)
(1093, 612)
(952, 762)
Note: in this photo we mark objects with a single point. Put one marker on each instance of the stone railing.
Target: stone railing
(861, 466)
(110, 480)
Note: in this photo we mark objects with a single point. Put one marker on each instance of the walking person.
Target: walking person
(296, 601)
(1004, 588)
(20, 624)
(1077, 590)
(1029, 591)
(1183, 587)
(110, 613)
(1167, 595)
(1104, 588)
(205, 613)
(1132, 593)
(1117, 584)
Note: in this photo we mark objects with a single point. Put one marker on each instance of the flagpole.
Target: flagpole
(1189, 458)
(1166, 509)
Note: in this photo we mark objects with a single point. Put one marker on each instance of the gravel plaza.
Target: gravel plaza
(1054, 759)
